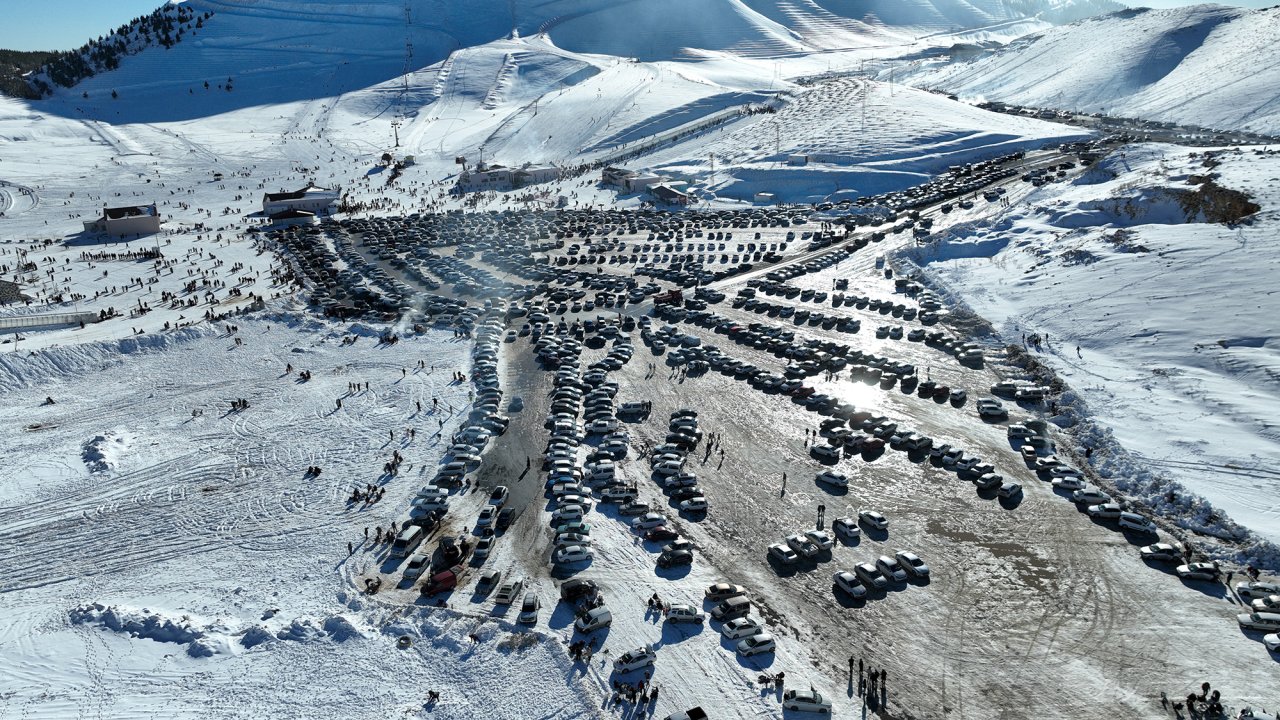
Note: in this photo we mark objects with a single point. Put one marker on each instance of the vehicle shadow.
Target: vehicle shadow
(845, 600)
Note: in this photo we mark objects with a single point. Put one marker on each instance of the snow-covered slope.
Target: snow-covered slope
(275, 51)
(1165, 326)
(1203, 65)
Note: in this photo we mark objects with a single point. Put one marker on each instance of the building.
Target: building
(501, 177)
(122, 221)
(766, 198)
(669, 195)
(797, 159)
(312, 199)
(616, 176)
(293, 217)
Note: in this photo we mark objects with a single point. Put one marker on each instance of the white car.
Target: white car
(873, 519)
(831, 477)
(850, 583)
(499, 496)
(571, 554)
(723, 591)
(567, 539)
(847, 528)
(1070, 482)
(1108, 511)
(802, 545)
(1090, 495)
(821, 538)
(567, 514)
(806, 701)
(634, 660)
(1161, 552)
(483, 546)
(891, 568)
(740, 628)
(1270, 603)
(581, 501)
(912, 564)
(783, 554)
(1009, 490)
(685, 614)
(648, 520)
(697, 503)
(1255, 590)
(417, 566)
(1198, 571)
(756, 644)
(1272, 642)
(871, 576)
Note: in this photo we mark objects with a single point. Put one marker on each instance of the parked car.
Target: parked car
(1265, 621)
(821, 538)
(806, 701)
(721, 591)
(756, 645)
(1090, 495)
(660, 533)
(648, 521)
(873, 519)
(912, 564)
(1106, 511)
(739, 628)
(529, 610)
(847, 528)
(832, 477)
(571, 554)
(891, 568)
(685, 614)
(850, 583)
(1198, 571)
(1272, 642)
(634, 660)
(871, 576)
(1138, 523)
(1255, 590)
(509, 591)
(499, 496)
(783, 554)
(593, 620)
(802, 545)
(1009, 490)
(489, 580)
(1161, 552)
(675, 558)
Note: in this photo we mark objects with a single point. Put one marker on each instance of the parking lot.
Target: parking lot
(1031, 605)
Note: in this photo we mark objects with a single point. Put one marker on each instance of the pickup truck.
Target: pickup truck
(443, 581)
(691, 714)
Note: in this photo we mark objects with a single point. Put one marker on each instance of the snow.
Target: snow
(1205, 65)
(1177, 344)
(166, 556)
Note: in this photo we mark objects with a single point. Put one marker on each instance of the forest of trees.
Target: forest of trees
(35, 75)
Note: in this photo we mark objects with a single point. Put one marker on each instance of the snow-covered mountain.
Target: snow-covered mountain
(282, 50)
(1205, 65)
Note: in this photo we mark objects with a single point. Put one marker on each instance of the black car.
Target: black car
(577, 588)
(505, 518)
(675, 558)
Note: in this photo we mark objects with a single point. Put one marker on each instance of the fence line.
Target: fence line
(18, 322)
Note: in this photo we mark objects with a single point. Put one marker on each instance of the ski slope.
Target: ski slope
(1205, 65)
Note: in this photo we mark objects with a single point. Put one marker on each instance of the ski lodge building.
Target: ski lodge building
(312, 199)
(122, 221)
(501, 177)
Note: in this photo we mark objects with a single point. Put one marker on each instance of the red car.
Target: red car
(661, 533)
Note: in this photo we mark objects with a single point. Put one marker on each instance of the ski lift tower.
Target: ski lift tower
(408, 68)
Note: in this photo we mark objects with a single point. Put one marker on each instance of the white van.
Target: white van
(407, 541)
(595, 619)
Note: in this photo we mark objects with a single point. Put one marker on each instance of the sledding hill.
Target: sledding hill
(1204, 65)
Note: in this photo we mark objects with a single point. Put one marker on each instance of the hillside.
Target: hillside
(1205, 65)
(282, 50)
